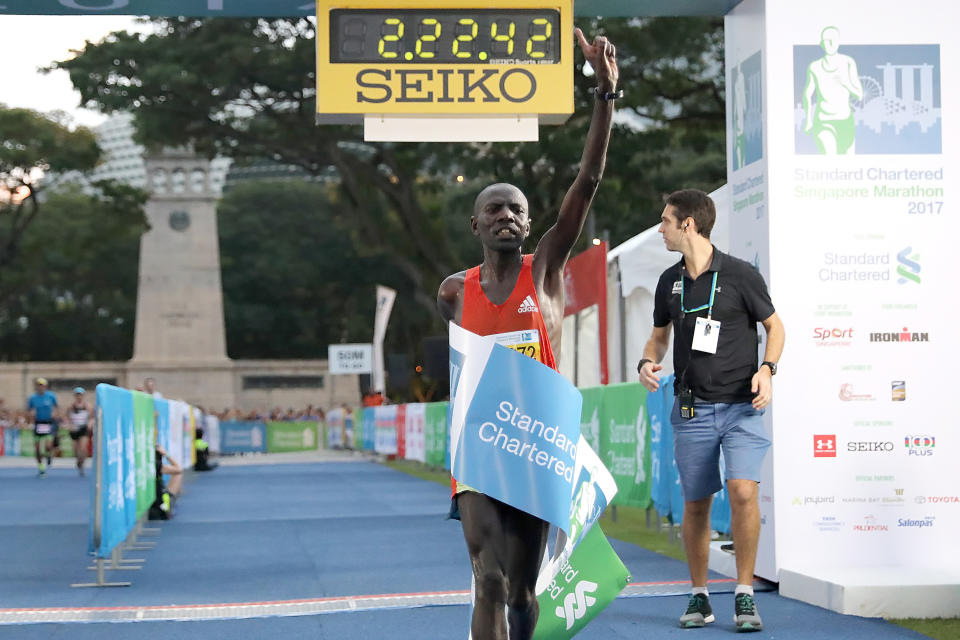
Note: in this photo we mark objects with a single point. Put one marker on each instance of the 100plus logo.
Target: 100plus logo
(919, 445)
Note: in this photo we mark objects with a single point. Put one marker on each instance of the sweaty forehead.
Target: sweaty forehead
(500, 193)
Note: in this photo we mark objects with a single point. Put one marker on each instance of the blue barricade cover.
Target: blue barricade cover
(369, 429)
(115, 408)
(239, 436)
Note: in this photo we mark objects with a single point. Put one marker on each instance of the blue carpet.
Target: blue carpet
(283, 532)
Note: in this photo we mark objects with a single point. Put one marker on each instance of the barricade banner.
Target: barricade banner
(115, 409)
(11, 441)
(624, 442)
(243, 437)
(661, 447)
(144, 451)
(196, 419)
(3, 444)
(385, 425)
(401, 425)
(590, 415)
(211, 432)
(435, 433)
(161, 409)
(335, 429)
(291, 436)
(415, 436)
(368, 423)
(129, 462)
(446, 447)
(348, 422)
(177, 418)
(26, 442)
(580, 588)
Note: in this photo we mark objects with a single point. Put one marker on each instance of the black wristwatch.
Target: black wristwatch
(772, 365)
(607, 96)
(642, 362)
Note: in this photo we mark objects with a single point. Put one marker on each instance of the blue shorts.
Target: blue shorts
(737, 428)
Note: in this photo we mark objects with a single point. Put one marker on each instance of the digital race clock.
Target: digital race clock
(426, 57)
(446, 36)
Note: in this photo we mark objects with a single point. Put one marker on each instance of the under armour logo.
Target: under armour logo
(528, 306)
(824, 446)
(575, 604)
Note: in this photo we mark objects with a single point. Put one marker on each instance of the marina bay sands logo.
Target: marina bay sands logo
(866, 99)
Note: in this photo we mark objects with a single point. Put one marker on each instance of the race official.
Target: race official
(713, 302)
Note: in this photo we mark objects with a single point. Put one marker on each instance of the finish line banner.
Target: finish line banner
(515, 427)
(515, 436)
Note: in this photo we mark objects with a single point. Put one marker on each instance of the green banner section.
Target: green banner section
(291, 436)
(625, 442)
(144, 447)
(435, 433)
(591, 414)
(582, 588)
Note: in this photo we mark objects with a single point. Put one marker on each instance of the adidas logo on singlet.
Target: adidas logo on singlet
(528, 306)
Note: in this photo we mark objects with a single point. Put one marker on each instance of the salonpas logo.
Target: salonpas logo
(575, 605)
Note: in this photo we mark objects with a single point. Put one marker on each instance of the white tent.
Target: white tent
(633, 269)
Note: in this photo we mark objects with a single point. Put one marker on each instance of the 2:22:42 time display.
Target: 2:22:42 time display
(481, 36)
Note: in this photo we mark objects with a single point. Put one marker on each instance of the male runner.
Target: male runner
(80, 415)
(42, 406)
(832, 80)
(507, 293)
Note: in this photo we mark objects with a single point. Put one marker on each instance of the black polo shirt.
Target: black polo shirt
(741, 302)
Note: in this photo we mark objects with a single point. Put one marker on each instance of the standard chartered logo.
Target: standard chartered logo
(908, 268)
(575, 604)
(870, 267)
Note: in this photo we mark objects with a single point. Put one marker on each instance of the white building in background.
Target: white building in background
(123, 158)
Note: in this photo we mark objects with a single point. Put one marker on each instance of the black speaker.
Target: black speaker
(436, 358)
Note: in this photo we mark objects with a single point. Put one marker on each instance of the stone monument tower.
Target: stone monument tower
(180, 338)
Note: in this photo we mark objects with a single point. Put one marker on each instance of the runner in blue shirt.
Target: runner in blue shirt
(44, 415)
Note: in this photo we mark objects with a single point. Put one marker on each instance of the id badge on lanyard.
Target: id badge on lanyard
(706, 332)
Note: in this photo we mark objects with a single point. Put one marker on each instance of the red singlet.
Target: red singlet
(517, 323)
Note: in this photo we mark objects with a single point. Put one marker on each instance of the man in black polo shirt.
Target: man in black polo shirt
(714, 301)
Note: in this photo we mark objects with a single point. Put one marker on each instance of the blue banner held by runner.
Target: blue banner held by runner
(515, 427)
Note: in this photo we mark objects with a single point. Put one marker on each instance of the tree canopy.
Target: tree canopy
(246, 88)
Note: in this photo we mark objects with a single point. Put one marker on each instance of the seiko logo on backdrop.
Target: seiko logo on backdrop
(863, 447)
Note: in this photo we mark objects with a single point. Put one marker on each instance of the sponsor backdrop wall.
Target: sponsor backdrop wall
(847, 203)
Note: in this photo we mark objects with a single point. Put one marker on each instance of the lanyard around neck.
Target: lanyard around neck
(708, 306)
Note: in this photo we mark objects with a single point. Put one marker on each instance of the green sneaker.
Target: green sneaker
(41, 469)
(698, 612)
(746, 615)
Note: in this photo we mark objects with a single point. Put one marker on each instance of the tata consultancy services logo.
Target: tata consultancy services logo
(825, 446)
(905, 335)
(920, 446)
(907, 266)
(847, 395)
(833, 336)
(866, 99)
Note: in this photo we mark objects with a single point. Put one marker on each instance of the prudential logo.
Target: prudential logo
(908, 269)
(575, 604)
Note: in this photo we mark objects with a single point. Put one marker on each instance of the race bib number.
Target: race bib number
(43, 429)
(526, 342)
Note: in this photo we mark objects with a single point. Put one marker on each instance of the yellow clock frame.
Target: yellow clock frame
(457, 89)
